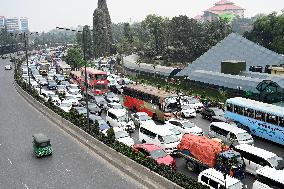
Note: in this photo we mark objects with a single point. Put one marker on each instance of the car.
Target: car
(49, 94)
(71, 99)
(75, 93)
(73, 87)
(120, 118)
(8, 67)
(157, 153)
(185, 126)
(116, 88)
(81, 110)
(122, 136)
(51, 73)
(193, 102)
(188, 111)
(111, 97)
(41, 145)
(139, 118)
(51, 85)
(212, 113)
(42, 81)
(101, 102)
(103, 126)
(58, 78)
(66, 83)
(65, 106)
(94, 109)
(61, 89)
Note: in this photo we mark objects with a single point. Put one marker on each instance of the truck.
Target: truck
(202, 153)
(43, 68)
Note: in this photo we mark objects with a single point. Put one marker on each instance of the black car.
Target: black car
(116, 88)
(51, 85)
(103, 126)
(213, 114)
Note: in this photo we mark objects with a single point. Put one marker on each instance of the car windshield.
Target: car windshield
(60, 86)
(52, 95)
(170, 139)
(123, 118)
(244, 136)
(277, 162)
(186, 107)
(174, 130)
(44, 144)
(218, 112)
(121, 134)
(69, 97)
(117, 106)
(73, 87)
(61, 77)
(193, 101)
(188, 124)
(144, 118)
(159, 153)
(52, 83)
(74, 92)
(103, 125)
(65, 104)
(111, 95)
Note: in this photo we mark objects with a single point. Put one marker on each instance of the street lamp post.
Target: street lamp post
(26, 51)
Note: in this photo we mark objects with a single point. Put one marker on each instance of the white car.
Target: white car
(111, 97)
(71, 99)
(188, 111)
(122, 136)
(120, 118)
(185, 126)
(73, 87)
(75, 93)
(8, 67)
(42, 81)
(65, 106)
(193, 102)
(49, 94)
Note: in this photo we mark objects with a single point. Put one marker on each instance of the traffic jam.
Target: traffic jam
(238, 144)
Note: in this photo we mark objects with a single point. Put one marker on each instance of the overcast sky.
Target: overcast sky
(47, 14)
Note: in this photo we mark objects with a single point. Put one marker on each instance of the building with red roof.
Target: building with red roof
(223, 7)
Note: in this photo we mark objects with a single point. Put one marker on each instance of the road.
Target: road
(71, 166)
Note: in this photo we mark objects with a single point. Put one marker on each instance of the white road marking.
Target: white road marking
(26, 186)
(67, 170)
(10, 161)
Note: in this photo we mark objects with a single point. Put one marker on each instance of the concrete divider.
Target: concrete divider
(138, 172)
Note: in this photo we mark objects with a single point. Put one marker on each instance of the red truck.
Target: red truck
(202, 153)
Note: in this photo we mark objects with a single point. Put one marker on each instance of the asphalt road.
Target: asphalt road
(72, 165)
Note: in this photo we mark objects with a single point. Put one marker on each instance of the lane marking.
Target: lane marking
(10, 161)
(26, 186)
(67, 170)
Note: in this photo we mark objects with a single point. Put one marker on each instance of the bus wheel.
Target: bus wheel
(143, 141)
(190, 166)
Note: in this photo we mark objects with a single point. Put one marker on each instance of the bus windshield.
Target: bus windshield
(100, 86)
(101, 77)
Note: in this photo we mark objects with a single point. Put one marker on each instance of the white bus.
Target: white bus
(263, 120)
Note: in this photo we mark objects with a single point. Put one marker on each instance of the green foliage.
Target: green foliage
(268, 31)
(74, 58)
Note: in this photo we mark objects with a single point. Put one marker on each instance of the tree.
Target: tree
(74, 58)
(88, 45)
(268, 32)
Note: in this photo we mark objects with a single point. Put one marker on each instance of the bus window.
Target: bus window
(249, 112)
(238, 110)
(281, 121)
(272, 119)
(258, 115)
(230, 107)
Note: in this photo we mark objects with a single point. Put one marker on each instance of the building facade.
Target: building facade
(223, 8)
(17, 24)
(2, 22)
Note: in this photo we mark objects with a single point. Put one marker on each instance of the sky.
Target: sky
(45, 15)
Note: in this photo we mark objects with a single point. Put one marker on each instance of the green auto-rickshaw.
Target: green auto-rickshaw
(41, 145)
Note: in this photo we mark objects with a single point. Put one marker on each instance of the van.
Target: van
(256, 158)
(216, 180)
(229, 134)
(269, 178)
(173, 129)
(120, 118)
(151, 133)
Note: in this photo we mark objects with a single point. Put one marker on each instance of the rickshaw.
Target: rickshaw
(41, 145)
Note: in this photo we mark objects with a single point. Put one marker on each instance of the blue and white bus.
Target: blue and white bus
(263, 120)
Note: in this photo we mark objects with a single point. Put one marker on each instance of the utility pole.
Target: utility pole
(27, 58)
(86, 81)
